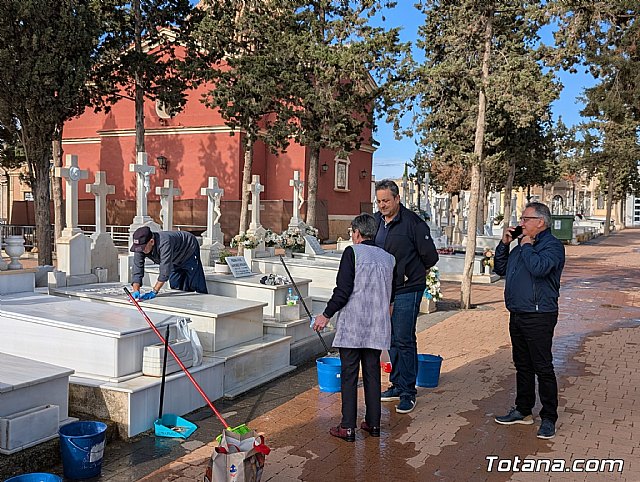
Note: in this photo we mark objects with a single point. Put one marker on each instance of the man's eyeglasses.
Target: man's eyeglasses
(526, 218)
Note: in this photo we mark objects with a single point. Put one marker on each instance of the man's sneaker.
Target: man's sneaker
(390, 395)
(406, 405)
(547, 429)
(514, 416)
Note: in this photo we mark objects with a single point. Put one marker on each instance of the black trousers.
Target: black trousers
(531, 339)
(350, 360)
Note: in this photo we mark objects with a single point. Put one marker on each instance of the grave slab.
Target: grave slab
(220, 322)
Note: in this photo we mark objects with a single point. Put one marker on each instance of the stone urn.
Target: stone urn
(222, 268)
(427, 305)
(14, 247)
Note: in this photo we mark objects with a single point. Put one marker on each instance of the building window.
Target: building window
(341, 182)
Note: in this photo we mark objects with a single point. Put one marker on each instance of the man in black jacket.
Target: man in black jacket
(531, 291)
(177, 253)
(403, 234)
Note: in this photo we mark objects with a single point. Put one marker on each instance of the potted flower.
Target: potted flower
(247, 241)
(271, 241)
(292, 241)
(221, 265)
(432, 292)
(487, 261)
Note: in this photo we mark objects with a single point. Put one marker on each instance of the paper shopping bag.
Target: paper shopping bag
(238, 458)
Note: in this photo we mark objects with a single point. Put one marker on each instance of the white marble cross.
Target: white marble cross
(100, 189)
(167, 193)
(72, 173)
(298, 199)
(256, 188)
(214, 194)
(143, 186)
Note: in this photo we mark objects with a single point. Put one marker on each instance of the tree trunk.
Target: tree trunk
(476, 174)
(508, 189)
(312, 186)
(246, 195)
(607, 219)
(56, 184)
(139, 88)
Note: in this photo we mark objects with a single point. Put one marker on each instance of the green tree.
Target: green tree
(249, 85)
(480, 73)
(46, 55)
(334, 54)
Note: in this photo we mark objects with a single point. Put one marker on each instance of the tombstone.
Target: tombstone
(298, 201)
(213, 240)
(255, 227)
(73, 247)
(514, 211)
(143, 186)
(104, 254)
(167, 193)
(458, 221)
(374, 198)
(405, 187)
(3, 264)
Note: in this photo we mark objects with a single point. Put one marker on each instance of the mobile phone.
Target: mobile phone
(517, 231)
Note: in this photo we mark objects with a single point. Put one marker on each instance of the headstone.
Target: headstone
(3, 264)
(73, 247)
(312, 245)
(104, 254)
(213, 240)
(298, 200)
(374, 198)
(143, 186)
(167, 193)
(238, 266)
(255, 227)
(405, 188)
(514, 211)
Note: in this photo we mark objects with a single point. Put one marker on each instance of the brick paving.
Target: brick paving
(451, 432)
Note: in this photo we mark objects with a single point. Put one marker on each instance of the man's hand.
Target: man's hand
(148, 296)
(320, 322)
(526, 240)
(136, 295)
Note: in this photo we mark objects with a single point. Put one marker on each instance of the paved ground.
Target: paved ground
(451, 432)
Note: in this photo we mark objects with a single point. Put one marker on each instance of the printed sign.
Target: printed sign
(313, 245)
(557, 224)
(238, 266)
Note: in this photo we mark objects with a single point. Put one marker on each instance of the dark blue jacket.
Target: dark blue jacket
(410, 243)
(532, 274)
(170, 250)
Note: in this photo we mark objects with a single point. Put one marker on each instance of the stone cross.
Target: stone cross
(143, 186)
(405, 190)
(214, 194)
(100, 189)
(167, 193)
(256, 188)
(72, 173)
(298, 199)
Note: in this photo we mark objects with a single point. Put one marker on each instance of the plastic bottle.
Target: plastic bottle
(291, 299)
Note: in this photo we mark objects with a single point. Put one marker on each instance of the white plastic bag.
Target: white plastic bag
(184, 332)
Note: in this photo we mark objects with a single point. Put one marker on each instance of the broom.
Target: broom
(240, 429)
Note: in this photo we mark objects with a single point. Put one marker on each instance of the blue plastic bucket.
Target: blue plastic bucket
(428, 370)
(35, 477)
(328, 374)
(82, 448)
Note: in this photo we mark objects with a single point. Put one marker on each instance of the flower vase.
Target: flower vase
(14, 247)
(221, 268)
(288, 252)
(427, 305)
(249, 256)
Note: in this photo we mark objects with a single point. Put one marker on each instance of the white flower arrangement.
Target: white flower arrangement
(272, 239)
(432, 292)
(247, 241)
(292, 239)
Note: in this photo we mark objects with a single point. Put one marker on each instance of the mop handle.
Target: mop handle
(164, 370)
(324, 344)
(173, 353)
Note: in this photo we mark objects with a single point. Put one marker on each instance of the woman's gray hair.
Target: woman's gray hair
(366, 224)
(541, 210)
(388, 184)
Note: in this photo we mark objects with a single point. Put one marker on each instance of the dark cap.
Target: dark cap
(141, 237)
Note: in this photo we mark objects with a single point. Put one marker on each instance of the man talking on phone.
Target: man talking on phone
(532, 288)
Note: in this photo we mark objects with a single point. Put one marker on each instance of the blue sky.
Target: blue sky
(389, 159)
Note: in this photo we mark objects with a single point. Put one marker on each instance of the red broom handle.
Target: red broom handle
(173, 353)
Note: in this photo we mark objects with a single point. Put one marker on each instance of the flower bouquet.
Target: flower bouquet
(432, 291)
(271, 239)
(247, 241)
(293, 240)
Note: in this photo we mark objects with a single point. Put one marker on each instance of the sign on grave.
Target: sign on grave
(314, 245)
(238, 266)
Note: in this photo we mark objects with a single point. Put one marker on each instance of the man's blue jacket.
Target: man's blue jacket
(532, 274)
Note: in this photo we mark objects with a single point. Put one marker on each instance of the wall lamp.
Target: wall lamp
(324, 167)
(163, 163)
(363, 174)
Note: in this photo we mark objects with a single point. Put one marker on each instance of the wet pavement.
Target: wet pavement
(451, 433)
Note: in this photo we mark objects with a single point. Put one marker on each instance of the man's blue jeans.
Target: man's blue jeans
(189, 276)
(403, 353)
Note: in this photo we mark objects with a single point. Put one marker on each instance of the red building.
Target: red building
(197, 144)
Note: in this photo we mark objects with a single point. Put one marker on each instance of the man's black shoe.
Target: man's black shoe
(373, 431)
(514, 416)
(547, 429)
